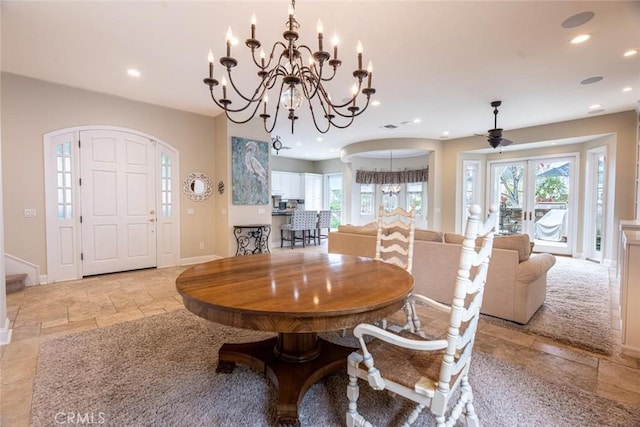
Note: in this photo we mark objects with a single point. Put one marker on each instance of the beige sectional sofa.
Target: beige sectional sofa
(516, 282)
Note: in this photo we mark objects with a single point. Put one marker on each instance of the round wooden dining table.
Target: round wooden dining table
(296, 295)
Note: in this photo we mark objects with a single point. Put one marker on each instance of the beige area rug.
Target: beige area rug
(160, 371)
(577, 308)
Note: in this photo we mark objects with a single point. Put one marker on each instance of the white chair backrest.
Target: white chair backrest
(468, 293)
(396, 231)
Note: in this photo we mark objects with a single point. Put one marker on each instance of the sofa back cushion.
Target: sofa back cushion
(370, 229)
(429, 235)
(514, 242)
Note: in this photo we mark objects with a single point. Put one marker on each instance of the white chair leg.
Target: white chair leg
(413, 416)
(354, 419)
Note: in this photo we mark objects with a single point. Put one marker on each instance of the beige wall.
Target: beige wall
(31, 108)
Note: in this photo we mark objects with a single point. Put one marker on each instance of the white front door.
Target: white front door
(118, 188)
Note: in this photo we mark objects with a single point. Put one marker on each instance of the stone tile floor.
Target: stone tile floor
(42, 312)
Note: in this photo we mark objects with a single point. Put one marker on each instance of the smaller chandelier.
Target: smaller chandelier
(299, 81)
(390, 189)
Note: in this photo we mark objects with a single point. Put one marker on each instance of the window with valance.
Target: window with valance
(399, 177)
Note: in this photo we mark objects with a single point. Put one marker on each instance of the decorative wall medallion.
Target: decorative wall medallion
(221, 187)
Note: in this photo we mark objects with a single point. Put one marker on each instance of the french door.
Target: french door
(535, 197)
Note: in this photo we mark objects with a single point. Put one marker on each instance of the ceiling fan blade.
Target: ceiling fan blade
(504, 142)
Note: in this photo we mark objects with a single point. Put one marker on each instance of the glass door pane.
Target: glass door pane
(552, 207)
(508, 192)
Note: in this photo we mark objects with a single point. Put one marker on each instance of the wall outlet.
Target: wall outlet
(201, 245)
(29, 213)
(190, 211)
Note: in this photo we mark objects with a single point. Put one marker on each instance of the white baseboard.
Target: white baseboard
(198, 259)
(5, 333)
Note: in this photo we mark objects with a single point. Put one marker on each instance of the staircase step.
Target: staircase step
(15, 282)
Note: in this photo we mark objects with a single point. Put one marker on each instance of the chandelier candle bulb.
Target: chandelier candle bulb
(253, 26)
(320, 29)
(291, 11)
(370, 72)
(224, 88)
(335, 41)
(229, 38)
(210, 58)
(359, 52)
(262, 57)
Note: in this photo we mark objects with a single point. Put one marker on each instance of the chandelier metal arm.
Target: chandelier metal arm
(227, 111)
(265, 116)
(262, 65)
(255, 96)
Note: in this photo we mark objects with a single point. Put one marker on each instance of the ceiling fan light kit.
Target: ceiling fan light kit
(300, 80)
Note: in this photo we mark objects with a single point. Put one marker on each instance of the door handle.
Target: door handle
(152, 220)
(151, 212)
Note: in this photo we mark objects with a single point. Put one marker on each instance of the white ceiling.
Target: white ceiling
(440, 61)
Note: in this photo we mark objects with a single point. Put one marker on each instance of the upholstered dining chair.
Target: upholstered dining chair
(297, 224)
(324, 223)
(429, 371)
(310, 224)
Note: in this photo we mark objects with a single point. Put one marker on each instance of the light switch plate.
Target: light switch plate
(29, 213)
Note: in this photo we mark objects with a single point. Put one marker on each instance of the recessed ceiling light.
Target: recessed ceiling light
(133, 72)
(630, 52)
(600, 110)
(591, 80)
(319, 139)
(445, 133)
(298, 144)
(578, 19)
(416, 120)
(580, 39)
(627, 89)
(375, 103)
(595, 106)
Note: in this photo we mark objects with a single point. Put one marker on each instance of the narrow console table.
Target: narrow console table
(252, 238)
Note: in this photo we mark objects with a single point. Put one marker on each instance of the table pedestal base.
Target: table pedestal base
(293, 362)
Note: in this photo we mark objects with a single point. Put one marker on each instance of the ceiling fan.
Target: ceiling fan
(277, 145)
(494, 136)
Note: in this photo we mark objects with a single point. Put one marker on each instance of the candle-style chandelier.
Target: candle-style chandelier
(286, 73)
(390, 188)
